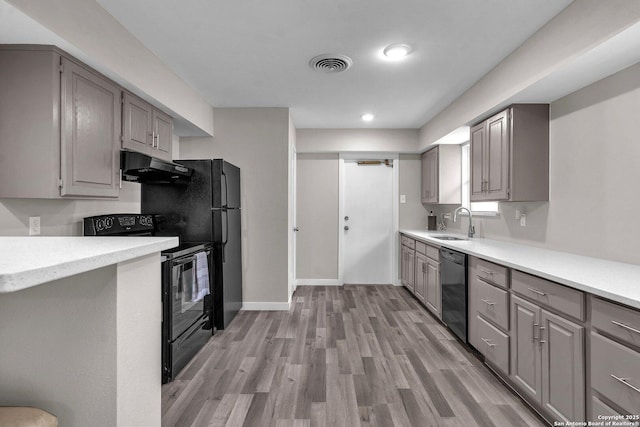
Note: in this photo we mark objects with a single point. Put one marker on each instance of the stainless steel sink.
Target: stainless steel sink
(448, 238)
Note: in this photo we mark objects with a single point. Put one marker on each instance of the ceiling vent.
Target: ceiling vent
(330, 63)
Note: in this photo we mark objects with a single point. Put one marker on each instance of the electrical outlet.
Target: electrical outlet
(518, 213)
(523, 220)
(34, 226)
(403, 198)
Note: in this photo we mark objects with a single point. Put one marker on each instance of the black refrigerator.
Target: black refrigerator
(206, 210)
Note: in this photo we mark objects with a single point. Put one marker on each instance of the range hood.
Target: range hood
(138, 167)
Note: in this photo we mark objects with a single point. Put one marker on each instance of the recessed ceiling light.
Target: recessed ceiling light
(367, 117)
(397, 51)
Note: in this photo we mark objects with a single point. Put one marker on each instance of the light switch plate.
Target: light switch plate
(34, 226)
(523, 220)
(403, 198)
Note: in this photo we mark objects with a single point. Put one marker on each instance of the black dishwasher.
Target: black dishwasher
(453, 278)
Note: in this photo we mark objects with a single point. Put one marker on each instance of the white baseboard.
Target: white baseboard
(397, 282)
(265, 306)
(318, 282)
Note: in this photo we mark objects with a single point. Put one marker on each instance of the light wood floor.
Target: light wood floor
(343, 356)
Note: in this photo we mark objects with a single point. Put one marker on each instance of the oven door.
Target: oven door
(182, 350)
(187, 294)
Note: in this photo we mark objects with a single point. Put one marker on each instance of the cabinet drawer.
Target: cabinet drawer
(421, 247)
(600, 408)
(611, 360)
(408, 242)
(492, 302)
(494, 345)
(566, 300)
(621, 322)
(490, 272)
(433, 253)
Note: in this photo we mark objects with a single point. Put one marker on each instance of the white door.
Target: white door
(367, 223)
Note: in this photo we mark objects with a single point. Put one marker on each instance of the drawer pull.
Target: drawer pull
(488, 302)
(622, 325)
(624, 381)
(535, 291)
(490, 344)
(488, 272)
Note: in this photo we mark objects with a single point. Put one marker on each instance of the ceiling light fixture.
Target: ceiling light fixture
(397, 51)
(367, 117)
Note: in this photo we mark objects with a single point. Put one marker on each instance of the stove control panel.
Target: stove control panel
(119, 225)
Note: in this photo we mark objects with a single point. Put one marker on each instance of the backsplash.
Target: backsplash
(62, 217)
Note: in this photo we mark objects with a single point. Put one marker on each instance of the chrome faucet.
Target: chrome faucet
(472, 229)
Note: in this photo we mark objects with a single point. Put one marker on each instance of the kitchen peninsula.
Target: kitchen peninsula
(80, 327)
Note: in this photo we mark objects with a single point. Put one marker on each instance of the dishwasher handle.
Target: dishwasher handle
(452, 256)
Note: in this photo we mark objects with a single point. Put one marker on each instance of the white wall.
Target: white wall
(594, 175)
(257, 141)
(346, 140)
(94, 36)
(317, 216)
(291, 209)
(580, 27)
(318, 199)
(412, 213)
(63, 217)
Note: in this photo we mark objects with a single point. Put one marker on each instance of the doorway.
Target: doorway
(368, 221)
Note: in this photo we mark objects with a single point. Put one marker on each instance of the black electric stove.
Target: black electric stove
(187, 278)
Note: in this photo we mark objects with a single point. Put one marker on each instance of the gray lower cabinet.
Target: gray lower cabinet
(407, 267)
(615, 359)
(420, 283)
(433, 297)
(547, 360)
(145, 129)
(420, 273)
(488, 312)
(563, 359)
(59, 126)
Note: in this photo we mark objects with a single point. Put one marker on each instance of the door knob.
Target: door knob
(296, 229)
(346, 218)
(346, 228)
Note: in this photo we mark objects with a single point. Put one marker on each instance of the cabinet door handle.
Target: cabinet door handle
(622, 325)
(533, 333)
(535, 291)
(488, 302)
(489, 343)
(542, 328)
(424, 270)
(625, 382)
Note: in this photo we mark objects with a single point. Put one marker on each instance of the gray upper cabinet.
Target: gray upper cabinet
(510, 155)
(90, 128)
(136, 124)
(59, 126)
(441, 175)
(146, 129)
(163, 131)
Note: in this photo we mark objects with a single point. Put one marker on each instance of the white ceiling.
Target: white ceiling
(255, 53)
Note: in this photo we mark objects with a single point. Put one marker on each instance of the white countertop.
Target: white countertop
(616, 281)
(30, 261)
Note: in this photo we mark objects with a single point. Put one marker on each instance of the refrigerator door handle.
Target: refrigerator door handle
(225, 201)
(225, 238)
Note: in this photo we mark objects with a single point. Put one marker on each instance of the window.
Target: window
(478, 208)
